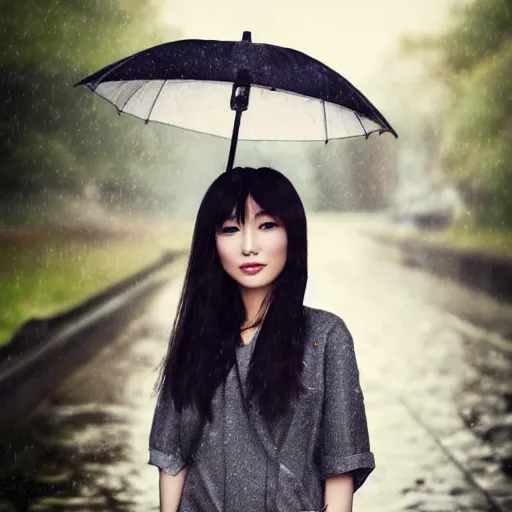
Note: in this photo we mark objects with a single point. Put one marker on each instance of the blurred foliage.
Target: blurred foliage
(53, 136)
(473, 58)
(76, 34)
(43, 275)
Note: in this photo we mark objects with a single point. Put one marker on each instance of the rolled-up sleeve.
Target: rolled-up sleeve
(164, 438)
(344, 440)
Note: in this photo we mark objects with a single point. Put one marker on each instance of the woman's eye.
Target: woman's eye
(268, 225)
(228, 229)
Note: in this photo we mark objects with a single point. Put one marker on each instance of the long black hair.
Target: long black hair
(206, 330)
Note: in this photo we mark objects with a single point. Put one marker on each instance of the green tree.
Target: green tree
(473, 58)
(53, 135)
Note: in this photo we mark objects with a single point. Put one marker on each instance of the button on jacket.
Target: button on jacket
(243, 464)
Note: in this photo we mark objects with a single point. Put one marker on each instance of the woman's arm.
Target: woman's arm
(170, 490)
(339, 491)
(344, 444)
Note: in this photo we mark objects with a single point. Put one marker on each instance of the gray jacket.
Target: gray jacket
(242, 464)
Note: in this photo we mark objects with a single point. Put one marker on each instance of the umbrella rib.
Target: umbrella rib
(376, 113)
(156, 98)
(100, 79)
(119, 85)
(366, 134)
(325, 121)
(131, 97)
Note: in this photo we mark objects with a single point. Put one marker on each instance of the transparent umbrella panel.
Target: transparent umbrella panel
(203, 106)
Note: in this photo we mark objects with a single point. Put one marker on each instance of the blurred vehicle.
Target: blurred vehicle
(427, 208)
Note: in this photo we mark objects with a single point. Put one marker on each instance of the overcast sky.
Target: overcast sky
(353, 37)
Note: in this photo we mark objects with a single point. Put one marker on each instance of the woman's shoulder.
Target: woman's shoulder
(321, 321)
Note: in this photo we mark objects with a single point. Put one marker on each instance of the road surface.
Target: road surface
(435, 364)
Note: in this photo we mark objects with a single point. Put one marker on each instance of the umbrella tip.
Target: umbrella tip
(247, 36)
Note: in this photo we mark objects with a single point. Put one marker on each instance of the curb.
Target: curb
(489, 273)
(43, 352)
(492, 274)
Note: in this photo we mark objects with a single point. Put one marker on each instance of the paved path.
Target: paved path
(437, 391)
(419, 364)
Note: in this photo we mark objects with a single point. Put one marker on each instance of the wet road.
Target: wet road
(436, 371)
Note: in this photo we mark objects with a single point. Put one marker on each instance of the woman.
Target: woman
(259, 405)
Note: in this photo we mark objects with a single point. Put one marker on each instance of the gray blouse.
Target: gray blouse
(243, 464)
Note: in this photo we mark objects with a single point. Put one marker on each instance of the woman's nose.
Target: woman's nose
(249, 241)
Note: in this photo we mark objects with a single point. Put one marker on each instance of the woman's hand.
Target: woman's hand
(339, 493)
(170, 490)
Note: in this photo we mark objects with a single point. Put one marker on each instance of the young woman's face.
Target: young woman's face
(260, 241)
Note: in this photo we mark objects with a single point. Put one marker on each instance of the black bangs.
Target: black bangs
(229, 202)
(242, 182)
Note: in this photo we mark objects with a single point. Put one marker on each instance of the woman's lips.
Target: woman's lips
(251, 269)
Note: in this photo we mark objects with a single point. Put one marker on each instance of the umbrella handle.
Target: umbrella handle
(239, 102)
(234, 140)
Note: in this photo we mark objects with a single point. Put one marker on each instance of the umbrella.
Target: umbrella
(205, 86)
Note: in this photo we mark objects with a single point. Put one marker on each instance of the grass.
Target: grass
(43, 274)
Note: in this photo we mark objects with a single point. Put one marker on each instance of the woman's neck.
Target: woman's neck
(252, 299)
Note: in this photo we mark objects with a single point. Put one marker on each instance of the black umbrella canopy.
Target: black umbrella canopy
(205, 85)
